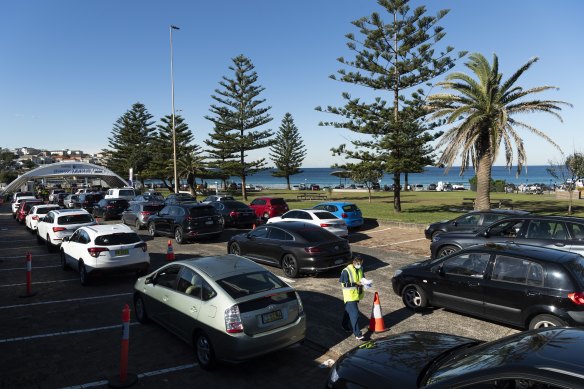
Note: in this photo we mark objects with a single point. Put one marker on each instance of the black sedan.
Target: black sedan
(519, 285)
(186, 221)
(110, 208)
(296, 247)
(469, 222)
(235, 213)
(562, 233)
(548, 358)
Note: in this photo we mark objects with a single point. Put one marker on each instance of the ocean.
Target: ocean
(431, 175)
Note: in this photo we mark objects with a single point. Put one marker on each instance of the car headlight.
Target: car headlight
(334, 376)
(397, 273)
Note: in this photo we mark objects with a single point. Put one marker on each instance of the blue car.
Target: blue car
(349, 212)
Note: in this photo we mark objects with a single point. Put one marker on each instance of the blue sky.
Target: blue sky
(70, 69)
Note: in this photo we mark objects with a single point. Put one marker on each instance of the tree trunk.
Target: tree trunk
(396, 192)
(369, 190)
(406, 182)
(243, 191)
(288, 182)
(483, 200)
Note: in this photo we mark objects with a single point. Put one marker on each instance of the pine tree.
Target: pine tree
(288, 150)
(221, 154)
(238, 111)
(131, 136)
(161, 151)
(391, 57)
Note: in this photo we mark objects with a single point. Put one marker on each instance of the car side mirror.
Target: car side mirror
(439, 270)
(150, 280)
(66, 239)
(455, 224)
(486, 233)
(250, 237)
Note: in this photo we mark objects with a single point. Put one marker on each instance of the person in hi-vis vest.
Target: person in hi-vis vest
(352, 293)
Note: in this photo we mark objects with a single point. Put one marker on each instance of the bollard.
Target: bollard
(125, 379)
(29, 292)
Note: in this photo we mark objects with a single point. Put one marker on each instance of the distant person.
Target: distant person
(352, 293)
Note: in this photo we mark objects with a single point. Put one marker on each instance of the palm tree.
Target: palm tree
(191, 165)
(483, 113)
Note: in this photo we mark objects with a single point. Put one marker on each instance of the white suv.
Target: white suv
(104, 248)
(16, 203)
(120, 193)
(37, 212)
(60, 223)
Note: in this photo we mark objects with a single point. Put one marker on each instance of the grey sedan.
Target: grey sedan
(228, 307)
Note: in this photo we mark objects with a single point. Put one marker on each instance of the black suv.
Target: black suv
(562, 233)
(520, 285)
(177, 198)
(88, 200)
(186, 221)
(469, 222)
(110, 208)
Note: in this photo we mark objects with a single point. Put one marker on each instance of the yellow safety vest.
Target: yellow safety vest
(353, 293)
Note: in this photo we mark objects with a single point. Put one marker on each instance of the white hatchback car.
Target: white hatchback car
(104, 249)
(37, 212)
(16, 203)
(320, 218)
(60, 223)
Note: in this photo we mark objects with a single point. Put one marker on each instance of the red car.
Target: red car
(267, 207)
(24, 209)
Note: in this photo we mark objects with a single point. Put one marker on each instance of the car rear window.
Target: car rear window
(576, 267)
(117, 239)
(74, 219)
(44, 211)
(350, 208)
(127, 192)
(237, 205)
(325, 215)
(316, 235)
(119, 203)
(278, 202)
(248, 284)
(202, 211)
(153, 208)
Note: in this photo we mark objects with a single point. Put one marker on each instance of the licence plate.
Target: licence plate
(272, 316)
(209, 222)
(339, 261)
(122, 252)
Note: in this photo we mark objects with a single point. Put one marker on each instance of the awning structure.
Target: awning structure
(64, 170)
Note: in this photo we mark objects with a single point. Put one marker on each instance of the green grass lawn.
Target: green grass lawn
(427, 207)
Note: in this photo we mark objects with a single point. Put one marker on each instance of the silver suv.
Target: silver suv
(227, 307)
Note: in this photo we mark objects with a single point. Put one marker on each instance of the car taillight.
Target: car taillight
(344, 215)
(312, 250)
(57, 229)
(577, 297)
(94, 251)
(325, 225)
(300, 306)
(145, 213)
(109, 206)
(35, 217)
(142, 245)
(233, 324)
(233, 214)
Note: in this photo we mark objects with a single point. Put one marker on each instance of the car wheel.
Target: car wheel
(138, 225)
(447, 250)
(436, 233)
(234, 249)
(178, 235)
(63, 261)
(414, 297)
(542, 321)
(152, 229)
(204, 351)
(290, 266)
(83, 276)
(140, 309)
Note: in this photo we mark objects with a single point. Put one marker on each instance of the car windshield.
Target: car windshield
(325, 215)
(44, 211)
(117, 239)
(248, 284)
(153, 208)
(316, 235)
(202, 211)
(75, 219)
(350, 208)
(236, 205)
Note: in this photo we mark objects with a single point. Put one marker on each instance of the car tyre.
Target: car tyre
(83, 276)
(542, 321)
(290, 265)
(64, 261)
(152, 230)
(447, 250)
(178, 235)
(204, 351)
(234, 248)
(140, 309)
(414, 297)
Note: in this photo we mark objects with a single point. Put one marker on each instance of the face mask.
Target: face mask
(357, 266)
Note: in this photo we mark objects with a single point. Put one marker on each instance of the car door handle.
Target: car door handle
(165, 298)
(193, 310)
(559, 244)
(472, 283)
(532, 293)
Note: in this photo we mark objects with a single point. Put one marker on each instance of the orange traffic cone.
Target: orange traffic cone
(170, 252)
(376, 323)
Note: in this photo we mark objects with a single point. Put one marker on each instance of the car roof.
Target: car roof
(292, 225)
(56, 206)
(68, 211)
(536, 252)
(223, 266)
(518, 212)
(101, 229)
(336, 203)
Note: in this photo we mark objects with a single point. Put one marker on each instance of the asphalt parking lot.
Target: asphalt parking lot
(68, 336)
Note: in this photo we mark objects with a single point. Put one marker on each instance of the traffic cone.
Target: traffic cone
(169, 252)
(376, 323)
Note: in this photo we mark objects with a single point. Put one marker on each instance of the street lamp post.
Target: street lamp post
(173, 113)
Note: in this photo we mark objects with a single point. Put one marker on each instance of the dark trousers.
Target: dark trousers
(351, 317)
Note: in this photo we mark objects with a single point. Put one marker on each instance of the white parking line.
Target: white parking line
(286, 279)
(20, 247)
(65, 301)
(391, 244)
(36, 267)
(40, 282)
(24, 256)
(372, 232)
(17, 240)
(141, 375)
(10, 340)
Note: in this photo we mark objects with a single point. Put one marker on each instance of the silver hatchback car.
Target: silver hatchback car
(227, 307)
